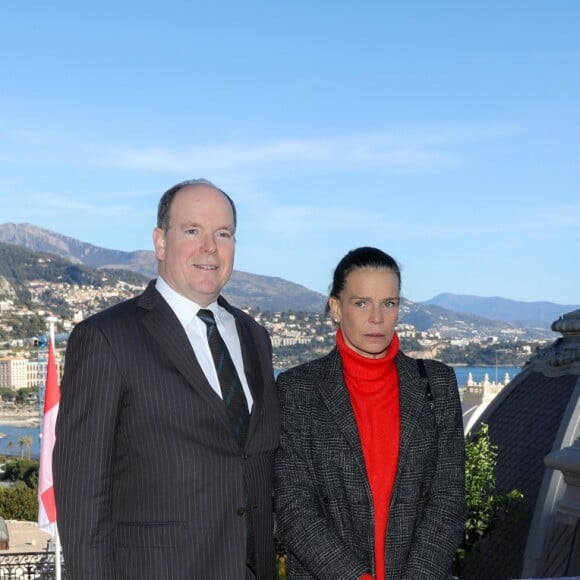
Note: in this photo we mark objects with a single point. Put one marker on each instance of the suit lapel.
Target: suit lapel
(412, 389)
(335, 396)
(164, 327)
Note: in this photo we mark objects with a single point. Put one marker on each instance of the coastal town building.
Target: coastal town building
(21, 373)
(477, 396)
(14, 373)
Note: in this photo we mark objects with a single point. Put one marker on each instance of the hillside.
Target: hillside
(244, 289)
(37, 277)
(85, 262)
(42, 240)
(20, 267)
(34, 284)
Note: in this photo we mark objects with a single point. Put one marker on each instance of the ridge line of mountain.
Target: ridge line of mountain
(273, 293)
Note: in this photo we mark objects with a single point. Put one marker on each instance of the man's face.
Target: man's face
(196, 254)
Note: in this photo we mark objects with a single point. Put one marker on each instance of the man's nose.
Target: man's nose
(209, 244)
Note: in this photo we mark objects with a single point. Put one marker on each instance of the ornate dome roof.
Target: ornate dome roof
(536, 413)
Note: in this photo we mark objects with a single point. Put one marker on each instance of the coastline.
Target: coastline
(19, 418)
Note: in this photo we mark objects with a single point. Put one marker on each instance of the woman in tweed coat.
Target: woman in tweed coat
(370, 469)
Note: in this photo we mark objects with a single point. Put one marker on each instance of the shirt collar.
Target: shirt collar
(182, 306)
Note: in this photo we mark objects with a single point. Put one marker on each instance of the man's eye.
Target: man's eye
(191, 231)
(225, 235)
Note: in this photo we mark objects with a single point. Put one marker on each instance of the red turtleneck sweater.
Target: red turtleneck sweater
(373, 387)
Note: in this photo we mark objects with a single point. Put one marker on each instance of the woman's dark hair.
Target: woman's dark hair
(358, 259)
(167, 198)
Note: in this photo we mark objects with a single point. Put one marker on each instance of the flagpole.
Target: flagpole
(57, 553)
(56, 537)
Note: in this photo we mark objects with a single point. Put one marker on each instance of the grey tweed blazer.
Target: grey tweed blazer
(323, 499)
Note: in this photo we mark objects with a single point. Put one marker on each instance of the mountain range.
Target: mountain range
(276, 294)
(503, 309)
(243, 289)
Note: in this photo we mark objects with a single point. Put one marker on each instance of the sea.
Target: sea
(10, 433)
(495, 374)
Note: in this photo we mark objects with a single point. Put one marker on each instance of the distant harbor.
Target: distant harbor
(11, 434)
(494, 374)
(15, 423)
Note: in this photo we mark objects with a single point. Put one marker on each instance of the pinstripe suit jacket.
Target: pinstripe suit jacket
(324, 507)
(149, 477)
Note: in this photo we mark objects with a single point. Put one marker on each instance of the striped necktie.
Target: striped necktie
(230, 384)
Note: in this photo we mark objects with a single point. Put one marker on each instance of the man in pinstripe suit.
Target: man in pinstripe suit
(150, 478)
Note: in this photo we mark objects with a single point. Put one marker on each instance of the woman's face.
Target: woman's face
(367, 310)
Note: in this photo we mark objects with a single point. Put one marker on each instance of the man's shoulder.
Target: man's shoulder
(115, 313)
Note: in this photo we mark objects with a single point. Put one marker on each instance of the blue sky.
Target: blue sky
(446, 133)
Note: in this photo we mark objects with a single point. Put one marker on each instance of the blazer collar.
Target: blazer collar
(412, 393)
(412, 389)
(335, 396)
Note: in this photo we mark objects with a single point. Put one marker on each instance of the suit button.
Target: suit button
(241, 511)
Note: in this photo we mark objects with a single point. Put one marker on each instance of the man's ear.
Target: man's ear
(159, 243)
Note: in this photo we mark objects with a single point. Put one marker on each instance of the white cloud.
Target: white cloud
(398, 151)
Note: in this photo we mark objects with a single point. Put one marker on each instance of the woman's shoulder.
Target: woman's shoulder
(436, 370)
(310, 368)
(299, 387)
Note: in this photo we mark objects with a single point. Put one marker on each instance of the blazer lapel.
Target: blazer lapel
(334, 393)
(160, 321)
(412, 389)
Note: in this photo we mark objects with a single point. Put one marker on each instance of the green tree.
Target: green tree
(19, 502)
(7, 394)
(22, 395)
(484, 502)
(22, 470)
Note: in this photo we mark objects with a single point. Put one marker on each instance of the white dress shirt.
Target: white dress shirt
(186, 311)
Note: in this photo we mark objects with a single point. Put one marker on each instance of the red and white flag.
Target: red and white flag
(46, 503)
